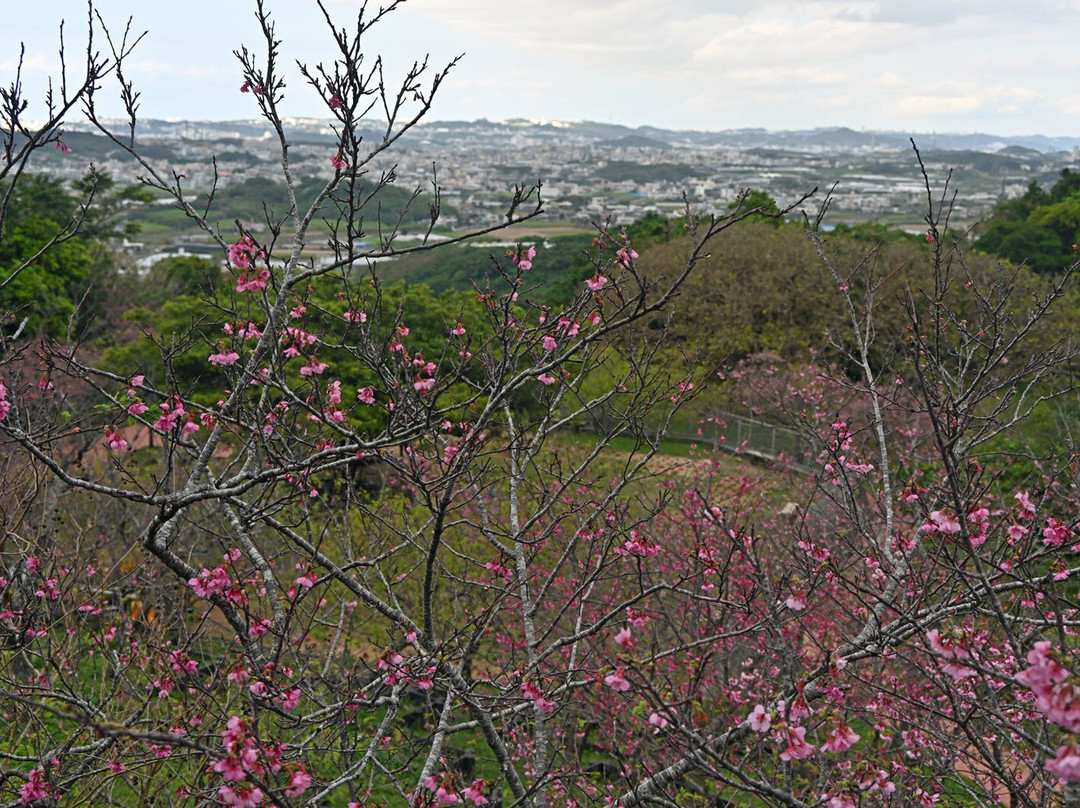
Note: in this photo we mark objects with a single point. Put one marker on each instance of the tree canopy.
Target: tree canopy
(1040, 229)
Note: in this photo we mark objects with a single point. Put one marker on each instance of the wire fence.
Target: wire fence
(728, 432)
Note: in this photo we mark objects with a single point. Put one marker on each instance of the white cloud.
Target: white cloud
(891, 79)
(804, 75)
(842, 102)
(923, 106)
(966, 99)
(37, 62)
(683, 63)
(192, 70)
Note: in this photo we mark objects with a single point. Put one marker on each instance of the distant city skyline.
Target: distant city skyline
(918, 65)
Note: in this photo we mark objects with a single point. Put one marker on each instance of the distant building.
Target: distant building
(210, 252)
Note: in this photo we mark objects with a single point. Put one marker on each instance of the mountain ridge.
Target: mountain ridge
(834, 138)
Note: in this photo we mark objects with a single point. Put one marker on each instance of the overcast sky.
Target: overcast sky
(997, 66)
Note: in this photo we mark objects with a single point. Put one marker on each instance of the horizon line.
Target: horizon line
(312, 120)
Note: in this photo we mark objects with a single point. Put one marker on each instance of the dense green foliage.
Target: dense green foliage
(177, 276)
(258, 199)
(754, 294)
(764, 291)
(764, 206)
(560, 263)
(185, 307)
(48, 281)
(61, 236)
(1040, 228)
(624, 171)
(46, 289)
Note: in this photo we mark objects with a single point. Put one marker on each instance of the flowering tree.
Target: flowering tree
(365, 569)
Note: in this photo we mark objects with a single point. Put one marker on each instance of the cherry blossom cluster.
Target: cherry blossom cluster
(245, 756)
(174, 416)
(442, 791)
(243, 254)
(1057, 696)
(36, 788)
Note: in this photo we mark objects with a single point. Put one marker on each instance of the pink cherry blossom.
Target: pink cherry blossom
(240, 797)
(1056, 533)
(638, 545)
(49, 590)
(531, 691)
(333, 392)
(524, 260)
(926, 799)
(242, 253)
(307, 580)
(115, 441)
(1027, 509)
(840, 740)
(658, 721)
(942, 521)
(238, 674)
(838, 801)
(626, 255)
(298, 783)
(1057, 694)
(760, 720)
(207, 582)
(444, 795)
(797, 748)
(34, 789)
(254, 283)
(182, 663)
(224, 358)
(475, 792)
(950, 649)
(796, 602)
(230, 768)
(596, 282)
(799, 708)
(1065, 764)
(616, 681)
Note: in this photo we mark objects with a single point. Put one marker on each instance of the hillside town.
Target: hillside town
(593, 172)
